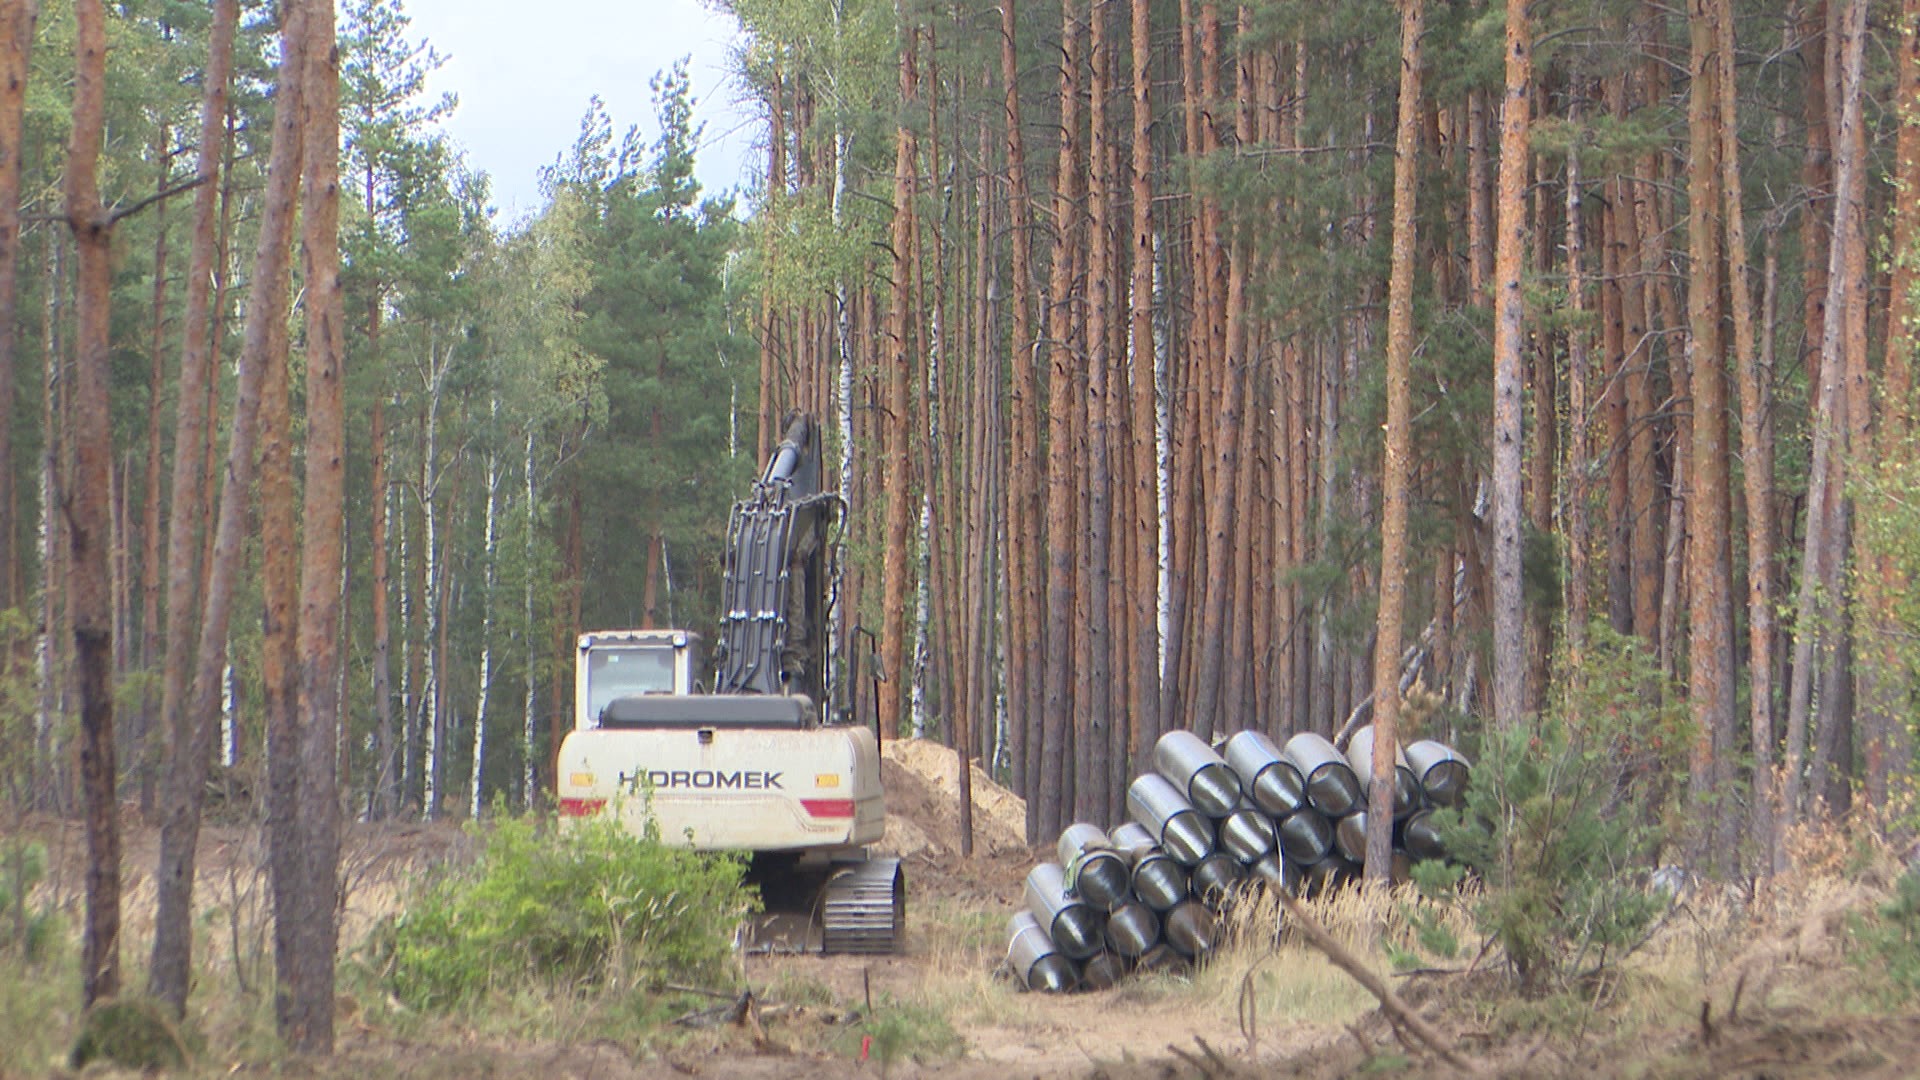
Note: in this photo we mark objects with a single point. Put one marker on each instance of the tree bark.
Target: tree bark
(1757, 458)
(1820, 562)
(197, 375)
(1509, 629)
(1709, 613)
(17, 18)
(1394, 471)
(167, 977)
(895, 569)
(1889, 744)
(1023, 536)
(306, 917)
(1146, 492)
(87, 506)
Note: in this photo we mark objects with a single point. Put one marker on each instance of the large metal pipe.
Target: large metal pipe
(1305, 836)
(1330, 874)
(1185, 833)
(1279, 873)
(1406, 788)
(1442, 772)
(1421, 838)
(1272, 782)
(1350, 836)
(1132, 929)
(1191, 930)
(1102, 971)
(1332, 788)
(1158, 881)
(1162, 957)
(1203, 776)
(1214, 879)
(1247, 835)
(1073, 924)
(1130, 838)
(1034, 959)
(1094, 870)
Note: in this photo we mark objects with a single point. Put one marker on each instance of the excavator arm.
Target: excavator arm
(776, 594)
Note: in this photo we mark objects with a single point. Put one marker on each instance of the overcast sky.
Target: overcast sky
(524, 71)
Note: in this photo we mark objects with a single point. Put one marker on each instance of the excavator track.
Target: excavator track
(863, 908)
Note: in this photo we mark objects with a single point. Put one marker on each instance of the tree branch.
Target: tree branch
(164, 193)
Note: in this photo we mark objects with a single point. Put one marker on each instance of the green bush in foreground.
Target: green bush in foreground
(589, 903)
(1556, 826)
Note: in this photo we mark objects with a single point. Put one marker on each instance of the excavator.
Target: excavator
(758, 763)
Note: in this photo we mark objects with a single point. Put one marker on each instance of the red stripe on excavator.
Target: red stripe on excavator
(828, 808)
(581, 807)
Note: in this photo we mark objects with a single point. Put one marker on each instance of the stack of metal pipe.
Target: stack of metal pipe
(1207, 825)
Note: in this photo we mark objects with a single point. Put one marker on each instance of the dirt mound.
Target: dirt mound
(923, 823)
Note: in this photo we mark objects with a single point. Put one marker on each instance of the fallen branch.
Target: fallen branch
(1389, 1001)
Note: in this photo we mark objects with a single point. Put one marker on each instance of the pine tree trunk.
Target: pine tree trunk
(17, 18)
(1395, 467)
(1509, 645)
(1756, 455)
(899, 504)
(87, 507)
(1055, 781)
(1093, 756)
(306, 917)
(1710, 614)
(140, 765)
(1888, 743)
(1147, 539)
(186, 772)
(1023, 536)
(1579, 541)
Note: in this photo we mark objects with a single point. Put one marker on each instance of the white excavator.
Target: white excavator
(756, 764)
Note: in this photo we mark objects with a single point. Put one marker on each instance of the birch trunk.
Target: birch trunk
(1813, 609)
(486, 630)
(1509, 644)
(530, 747)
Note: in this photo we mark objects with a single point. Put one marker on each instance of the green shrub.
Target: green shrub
(1890, 943)
(588, 904)
(1558, 823)
(27, 930)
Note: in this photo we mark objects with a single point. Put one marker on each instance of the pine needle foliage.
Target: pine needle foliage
(1560, 825)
